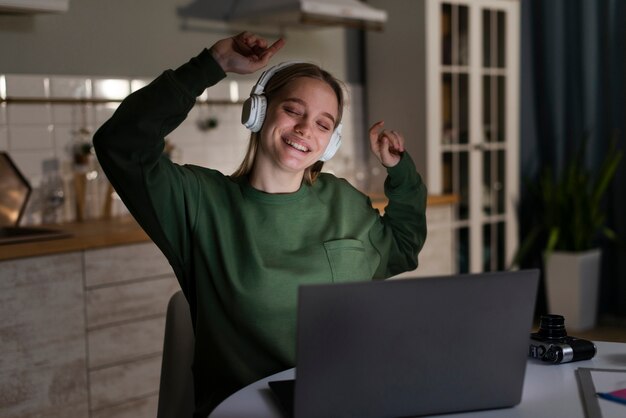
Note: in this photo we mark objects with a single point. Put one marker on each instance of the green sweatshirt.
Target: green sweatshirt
(239, 253)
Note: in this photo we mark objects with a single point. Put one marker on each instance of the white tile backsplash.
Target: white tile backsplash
(75, 114)
(220, 91)
(66, 113)
(3, 114)
(136, 84)
(231, 114)
(29, 162)
(32, 137)
(102, 113)
(34, 86)
(34, 132)
(69, 87)
(4, 137)
(245, 88)
(110, 88)
(65, 136)
(29, 114)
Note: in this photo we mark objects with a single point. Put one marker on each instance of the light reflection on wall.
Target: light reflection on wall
(234, 91)
(3, 87)
(114, 89)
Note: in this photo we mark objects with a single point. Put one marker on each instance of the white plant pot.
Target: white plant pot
(572, 281)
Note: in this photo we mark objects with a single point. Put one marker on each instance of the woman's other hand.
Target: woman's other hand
(387, 145)
(244, 53)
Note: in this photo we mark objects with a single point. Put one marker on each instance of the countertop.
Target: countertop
(379, 201)
(84, 236)
(123, 230)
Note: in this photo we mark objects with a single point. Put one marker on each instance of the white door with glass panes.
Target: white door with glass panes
(456, 65)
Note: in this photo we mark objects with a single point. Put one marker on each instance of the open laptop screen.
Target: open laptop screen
(14, 192)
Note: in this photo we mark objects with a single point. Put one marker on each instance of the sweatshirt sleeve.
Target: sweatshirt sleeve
(129, 147)
(404, 219)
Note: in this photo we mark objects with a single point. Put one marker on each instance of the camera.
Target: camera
(552, 344)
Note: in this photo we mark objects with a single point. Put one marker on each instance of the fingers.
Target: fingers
(241, 46)
(393, 139)
(396, 141)
(253, 43)
(375, 130)
(273, 49)
(248, 45)
(256, 47)
(387, 145)
(244, 53)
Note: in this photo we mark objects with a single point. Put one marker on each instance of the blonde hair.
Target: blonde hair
(277, 82)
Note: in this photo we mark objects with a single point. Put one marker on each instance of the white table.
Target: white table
(550, 391)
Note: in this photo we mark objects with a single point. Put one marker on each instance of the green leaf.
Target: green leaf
(570, 215)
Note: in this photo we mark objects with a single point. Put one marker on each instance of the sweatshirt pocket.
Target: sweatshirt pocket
(347, 260)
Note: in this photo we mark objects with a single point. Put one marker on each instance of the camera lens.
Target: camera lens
(552, 327)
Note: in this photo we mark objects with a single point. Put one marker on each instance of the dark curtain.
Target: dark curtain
(574, 85)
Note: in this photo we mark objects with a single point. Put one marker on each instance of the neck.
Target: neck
(275, 182)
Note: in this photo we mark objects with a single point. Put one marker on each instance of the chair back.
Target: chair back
(176, 391)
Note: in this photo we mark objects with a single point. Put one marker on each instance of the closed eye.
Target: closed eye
(293, 111)
(323, 126)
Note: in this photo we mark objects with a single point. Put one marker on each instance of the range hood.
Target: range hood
(350, 13)
(34, 6)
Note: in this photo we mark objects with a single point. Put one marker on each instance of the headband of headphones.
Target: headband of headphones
(266, 75)
(255, 107)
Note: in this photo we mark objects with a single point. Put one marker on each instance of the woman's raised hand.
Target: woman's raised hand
(387, 145)
(244, 53)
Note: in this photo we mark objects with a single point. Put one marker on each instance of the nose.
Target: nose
(303, 126)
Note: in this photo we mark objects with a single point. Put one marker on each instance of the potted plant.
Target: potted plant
(567, 225)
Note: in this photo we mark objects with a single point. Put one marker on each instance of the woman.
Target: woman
(241, 245)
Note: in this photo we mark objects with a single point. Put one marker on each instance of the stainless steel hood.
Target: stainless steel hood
(350, 13)
(34, 6)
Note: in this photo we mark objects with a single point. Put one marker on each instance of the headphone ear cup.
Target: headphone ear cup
(246, 113)
(333, 144)
(253, 112)
(261, 103)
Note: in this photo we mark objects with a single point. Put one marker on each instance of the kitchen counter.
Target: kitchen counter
(379, 200)
(84, 236)
(125, 230)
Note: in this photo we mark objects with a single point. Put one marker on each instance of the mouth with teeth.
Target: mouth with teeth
(296, 145)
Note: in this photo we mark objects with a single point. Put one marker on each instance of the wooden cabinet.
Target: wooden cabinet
(82, 332)
(437, 255)
(42, 338)
(126, 293)
(446, 74)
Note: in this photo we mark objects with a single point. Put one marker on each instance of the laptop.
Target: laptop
(15, 191)
(411, 347)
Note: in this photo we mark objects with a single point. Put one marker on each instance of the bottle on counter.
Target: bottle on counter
(52, 193)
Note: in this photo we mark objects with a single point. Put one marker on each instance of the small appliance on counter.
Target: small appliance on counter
(15, 191)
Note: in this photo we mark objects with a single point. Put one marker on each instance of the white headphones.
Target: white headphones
(255, 106)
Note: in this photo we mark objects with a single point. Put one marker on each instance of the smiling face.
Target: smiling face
(300, 120)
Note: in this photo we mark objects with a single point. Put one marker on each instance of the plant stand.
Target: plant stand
(572, 281)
